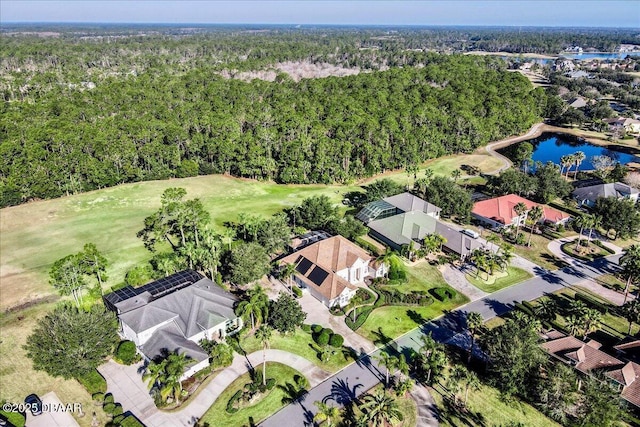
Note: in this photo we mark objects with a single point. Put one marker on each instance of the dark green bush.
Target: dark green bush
(131, 421)
(327, 331)
(108, 398)
(117, 409)
(93, 382)
(336, 340)
(126, 352)
(592, 302)
(316, 328)
(523, 308)
(271, 383)
(440, 293)
(231, 403)
(322, 339)
(306, 327)
(98, 397)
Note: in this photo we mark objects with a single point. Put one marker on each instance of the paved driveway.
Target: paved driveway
(53, 414)
(125, 383)
(319, 313)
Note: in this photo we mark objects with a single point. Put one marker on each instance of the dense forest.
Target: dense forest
(93, 108)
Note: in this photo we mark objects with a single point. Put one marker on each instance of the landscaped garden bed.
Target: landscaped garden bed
(499, 279)
(585, 251)
(231, 410)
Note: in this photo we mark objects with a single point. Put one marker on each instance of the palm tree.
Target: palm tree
(255, 308)
(631, 311)
(574, 323)
(506, 255)
(534, 216)
(286, 273)
(630, 263)
(493, 238)
(386, 258)
(381, 409)
(154, 373)
(591, 321)
(263, 335)
(596, 222)
(227, 237)
(456, 174)
(582, 221)
(389, 362)
(174, 369)
(471, 383)
(474, 324)
(567, 161)
(325, 412)
(578, 157)
(520, 209)
(547, 309)
(455, 380)
(479, 259)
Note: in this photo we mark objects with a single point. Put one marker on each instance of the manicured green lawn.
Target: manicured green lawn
(15, 418)
(299, 343)
(538, 252)
(36, 234)
(393, 321)
(217, 414)
(486, 407)
(499, 280)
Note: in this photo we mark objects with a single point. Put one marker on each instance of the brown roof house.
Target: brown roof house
(333, 269)
(627, 378)
(585, 357)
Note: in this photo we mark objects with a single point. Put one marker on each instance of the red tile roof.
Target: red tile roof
(585, 356)
(627, 376)
(501, 209)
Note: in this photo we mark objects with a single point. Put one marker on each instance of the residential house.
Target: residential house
(587, 196)
(578, 102)
(578, 74)
(405, 219)
(332, 269)
(585, 357)
(174, 314)
(627, 380)
(623, 123)
(500, 212)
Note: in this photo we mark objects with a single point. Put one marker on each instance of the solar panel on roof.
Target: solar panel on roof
(303, 266)
(318, 275)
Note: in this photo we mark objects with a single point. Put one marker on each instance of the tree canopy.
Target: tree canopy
(68, 342)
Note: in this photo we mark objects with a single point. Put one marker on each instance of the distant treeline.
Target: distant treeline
(157, 126)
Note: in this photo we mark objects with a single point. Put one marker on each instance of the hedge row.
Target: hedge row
(326, 336)
(232, 402)
(393, 297)
(367, 246)
(599, 244)
(93, 382)
(360, 318)
(592, 302)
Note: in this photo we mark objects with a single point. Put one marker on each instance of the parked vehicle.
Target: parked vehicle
(470, 233)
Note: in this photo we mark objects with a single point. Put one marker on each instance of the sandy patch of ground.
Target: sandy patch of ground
(296, 70)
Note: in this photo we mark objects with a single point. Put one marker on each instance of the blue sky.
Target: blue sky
(583, 13)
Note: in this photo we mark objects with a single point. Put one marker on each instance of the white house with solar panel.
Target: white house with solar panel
(173, 314)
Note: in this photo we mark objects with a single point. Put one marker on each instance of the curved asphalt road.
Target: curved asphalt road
(359, 377)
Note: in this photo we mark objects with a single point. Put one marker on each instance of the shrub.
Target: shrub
(306, 327)
(108, 398)
(131, 421)
(126, 352)
(98, 397)
(367, 246)
(336, 340)
(297, 291)
(316, 328)
(109, 408)
(592, 302)
(231, 403)
(327, 331)
(322, 339)
(442, 293)
(93, 382)
(271, 383)
(117, 410)
(361, 317)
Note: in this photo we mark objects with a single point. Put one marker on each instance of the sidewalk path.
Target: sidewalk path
(491, 148)
(427, 411)
(127, 387)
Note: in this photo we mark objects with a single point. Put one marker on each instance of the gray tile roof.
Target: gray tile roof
(593, 192)
(402, 228)
(169, 339)
(193, 309)
(407, 202)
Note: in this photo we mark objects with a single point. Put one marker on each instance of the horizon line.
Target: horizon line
(307, 25)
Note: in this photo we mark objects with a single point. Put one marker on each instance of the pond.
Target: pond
(549, 147)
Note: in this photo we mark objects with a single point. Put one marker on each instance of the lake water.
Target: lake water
(574, 56)
(550, 147)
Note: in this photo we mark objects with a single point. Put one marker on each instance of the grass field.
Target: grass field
(17, 377)
(217, 414)
(486, 407)
(299, 343)
(499, 279)
(36, 234)
(393, 321)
